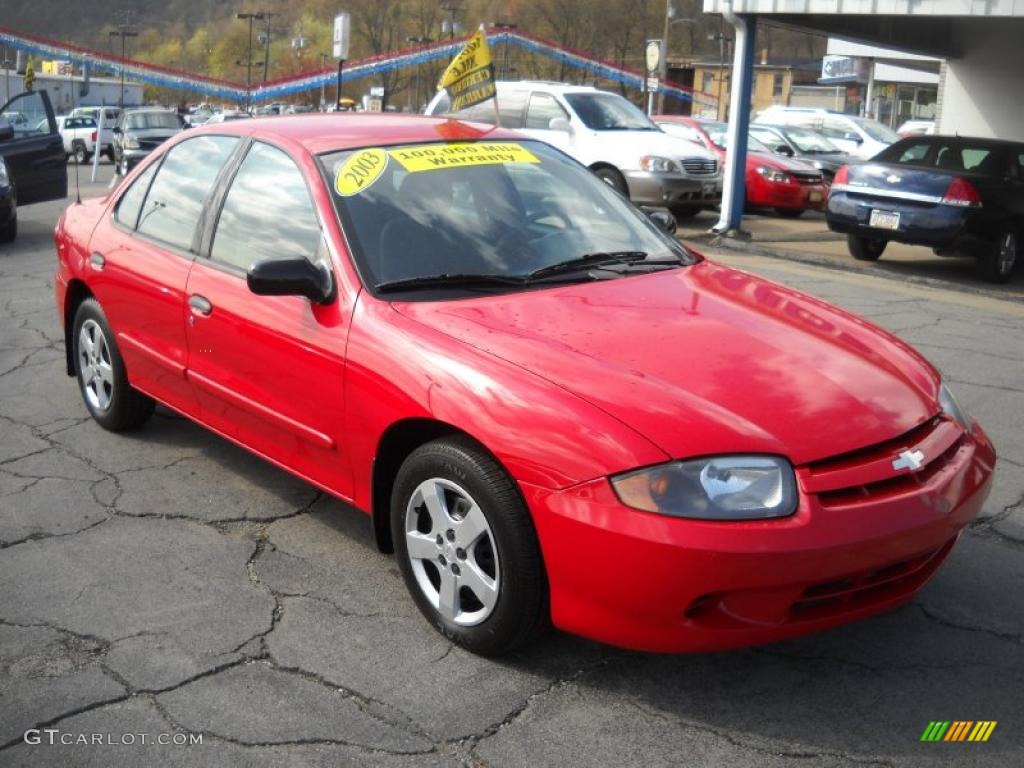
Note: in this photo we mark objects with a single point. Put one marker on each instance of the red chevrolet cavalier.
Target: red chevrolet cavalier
(551, 410)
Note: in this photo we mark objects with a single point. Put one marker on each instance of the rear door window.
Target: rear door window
(182, 187)
(542, 110)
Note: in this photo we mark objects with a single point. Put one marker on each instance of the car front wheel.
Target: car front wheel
(108, 396)
(998, 265)
(865, 248)
(467, 548)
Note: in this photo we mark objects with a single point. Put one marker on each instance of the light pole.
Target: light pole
(323, 86)
(670, 21)
(250, 17)
(418, 41)
(123, 31)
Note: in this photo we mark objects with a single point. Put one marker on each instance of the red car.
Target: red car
(789, 186)
(551, 410)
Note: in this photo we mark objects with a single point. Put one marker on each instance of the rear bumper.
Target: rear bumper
(656, 583)
(936, 226)
(669, 188)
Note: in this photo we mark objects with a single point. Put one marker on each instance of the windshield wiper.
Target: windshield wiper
(587, 261)
(445, 280)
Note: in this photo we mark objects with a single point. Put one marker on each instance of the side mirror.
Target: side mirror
(6, 130)
(662, 219)
(559, 124)
(291, 277)
(851, 136)
(784, 149)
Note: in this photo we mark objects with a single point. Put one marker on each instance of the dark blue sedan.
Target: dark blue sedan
(958, 195)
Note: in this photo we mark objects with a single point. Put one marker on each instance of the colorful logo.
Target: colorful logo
(958, 730)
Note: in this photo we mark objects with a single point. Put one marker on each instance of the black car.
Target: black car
(959, 195)
(33, 167)
(806, 144)
(139, 131)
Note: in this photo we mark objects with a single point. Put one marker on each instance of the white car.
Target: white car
(917, 128)
(106, 135)
(859, 136)
(79, 136)
(609, 135)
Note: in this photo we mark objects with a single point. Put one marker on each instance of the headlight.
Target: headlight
(4, 180)
(780, 177)
(952, 408)
(130, 142)
(657, 164)
(717, 488)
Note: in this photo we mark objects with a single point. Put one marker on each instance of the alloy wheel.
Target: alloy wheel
(94, 364)
(452, 552)
(1007, 253)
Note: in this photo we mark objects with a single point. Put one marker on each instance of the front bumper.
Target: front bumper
(663, 189)
(657, 583)
(789, 196)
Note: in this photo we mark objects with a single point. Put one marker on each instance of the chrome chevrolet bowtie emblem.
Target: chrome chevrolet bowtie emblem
(912, 460)
(892, 178)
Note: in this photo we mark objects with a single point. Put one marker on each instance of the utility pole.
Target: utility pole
(250, 17)
(6, 64)
(123, 31)
(418, 41)
(722, 39)
(453, 7)
(267, 16)
(323, 86)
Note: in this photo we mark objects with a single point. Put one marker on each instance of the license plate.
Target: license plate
(710, 188)
(884, 219)
(814, 197)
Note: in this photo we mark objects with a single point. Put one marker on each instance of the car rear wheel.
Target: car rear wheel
(467, 548)
(998, 265)
(9, 231)
(685, 211)
(613, 179)
(865, 248)
(108, 396)
(789, 213)
(81, 154)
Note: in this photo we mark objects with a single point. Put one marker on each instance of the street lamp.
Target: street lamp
(250, 17)
(123, 31)
(670, 21)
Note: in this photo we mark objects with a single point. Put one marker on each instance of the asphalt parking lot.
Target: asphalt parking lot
(165, 581)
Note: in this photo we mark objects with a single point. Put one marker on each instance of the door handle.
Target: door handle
(200, 305)
(96, 261)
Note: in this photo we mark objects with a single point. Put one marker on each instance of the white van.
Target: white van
(858, 136)
(610, 136)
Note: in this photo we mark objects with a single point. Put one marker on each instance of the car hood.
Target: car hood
(661, 144)
(706, 360)
(779, 162)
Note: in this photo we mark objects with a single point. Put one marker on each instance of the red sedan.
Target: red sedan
(550, 409)
(788, 186)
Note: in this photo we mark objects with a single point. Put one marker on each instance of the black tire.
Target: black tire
(9, 231)
(520, 613)
(80, 153)
(109, 152)
(613, 179)
(685, 211)
(789, 213)
(998, 265)
(865, 248)
(127, 407)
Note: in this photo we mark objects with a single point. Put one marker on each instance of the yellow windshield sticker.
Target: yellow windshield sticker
(360, 171)
(437, 156)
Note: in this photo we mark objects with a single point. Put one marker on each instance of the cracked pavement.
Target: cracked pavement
(165, 580)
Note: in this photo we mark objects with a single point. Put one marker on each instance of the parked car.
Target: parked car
(227, 117)
(788, 186)
(551, 410)
(610, 136)
(139, 131)
(33, 167)
(860, 136)
(106, 131)
(957, 194)
(804, 144)
(916, 128)
(79, 136)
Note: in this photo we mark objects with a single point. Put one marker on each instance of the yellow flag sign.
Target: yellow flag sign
(469, 79)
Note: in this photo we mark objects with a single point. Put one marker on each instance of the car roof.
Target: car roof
(333, 131)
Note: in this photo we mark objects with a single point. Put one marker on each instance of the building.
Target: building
(65, 91)
(773, 84)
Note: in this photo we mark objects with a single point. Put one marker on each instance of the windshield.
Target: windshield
(810, 141)
(876, 130)
(141, 121)
(719, 135)
(608, 112)
(504, 209)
